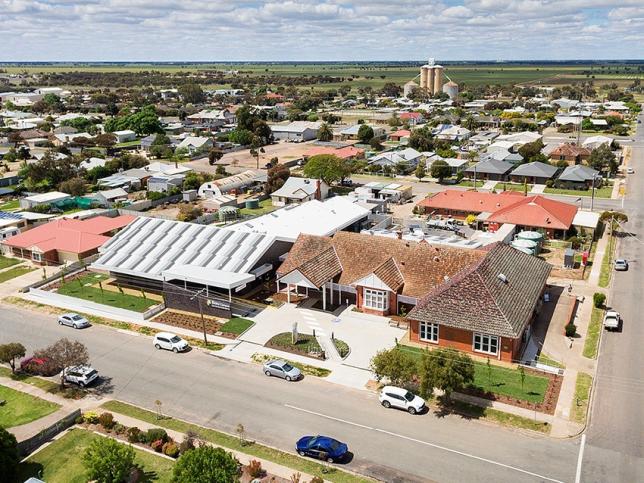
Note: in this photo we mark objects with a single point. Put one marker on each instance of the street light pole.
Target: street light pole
(203, 321)
(592, 196)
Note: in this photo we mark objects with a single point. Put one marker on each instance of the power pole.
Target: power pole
(203, 321)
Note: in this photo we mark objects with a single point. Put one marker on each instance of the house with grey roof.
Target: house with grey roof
(298, 190)
(536, 173)
(490, 169)
(296, 131)
(392, 158)
(579, 176)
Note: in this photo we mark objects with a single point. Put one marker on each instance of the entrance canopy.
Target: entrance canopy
(207, 276)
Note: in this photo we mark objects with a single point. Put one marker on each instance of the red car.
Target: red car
(38, 366)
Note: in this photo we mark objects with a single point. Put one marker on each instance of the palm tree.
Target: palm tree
(324, 132)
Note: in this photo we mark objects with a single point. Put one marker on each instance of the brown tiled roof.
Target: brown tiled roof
(478, 300)
(567, 149)
(421, 266)
(390, 275)
(322, 268)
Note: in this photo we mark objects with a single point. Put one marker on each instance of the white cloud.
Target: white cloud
(319, 29)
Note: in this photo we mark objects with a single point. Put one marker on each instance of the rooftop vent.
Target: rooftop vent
(502, 277)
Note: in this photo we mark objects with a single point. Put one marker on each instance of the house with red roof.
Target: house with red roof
(399, 135)
(492, 210)
(346, 152)
(65, 240)
(412, 118)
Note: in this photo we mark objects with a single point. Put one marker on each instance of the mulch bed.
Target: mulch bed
(282, 297)
(191, 322)
(294, 350)
(549, 400)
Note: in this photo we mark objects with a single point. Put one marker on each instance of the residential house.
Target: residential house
(455, 164)
(487, 308)
(124, 136)
(593, 142)
(296, 131)
(210, 119)
(535, 173)
(299, 190)
(64, 240)
(195, 144)
(43, 199)
(489, 169)
(578, 176)
(412, 118)
(351, 132)
(399, 135)
(345, 152)
(448, 132)
(108, 197)
(570, 153)
(408, 156)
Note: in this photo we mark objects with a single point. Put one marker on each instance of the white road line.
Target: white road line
(426, 443)
(580, 459)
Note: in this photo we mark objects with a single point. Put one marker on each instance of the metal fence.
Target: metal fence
(28, 446)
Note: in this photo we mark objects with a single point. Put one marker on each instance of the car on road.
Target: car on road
(281, 368)
(171, 342)
(322, 447)
(621, 265)
(73, 320)
(81, 375)
(630, 170)
(397, 397)
(612, 320)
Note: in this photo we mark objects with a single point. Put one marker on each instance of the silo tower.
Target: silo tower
(437, 79)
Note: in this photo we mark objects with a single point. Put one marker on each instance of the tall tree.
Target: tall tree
(64, 353)
(324, 132)
(446, 369)
(365, 133)
(602, 159)
(9, 456)
(327, 167)
(192, 93)
(10, 352)
(440, 170)
(276, 178)
(394, 365)
(206, 464)
(108, 461)
(421, 170)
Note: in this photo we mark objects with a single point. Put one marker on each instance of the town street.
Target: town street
(387, 444)
(615, 446)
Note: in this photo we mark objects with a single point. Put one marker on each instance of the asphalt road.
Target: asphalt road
(615, 445)
(387, 444)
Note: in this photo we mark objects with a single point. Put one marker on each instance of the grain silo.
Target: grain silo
(423, 77)
(451, 89)
(437, 79)
(409, 88)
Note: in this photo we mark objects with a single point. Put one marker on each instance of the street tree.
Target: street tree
(10, 352)
(64, 353)
(327, 167)
(447, 369)
(394, 365)
(206, 464)
(214, 155)
(324, 132)
(276, 177)
(613, 219)
(9, 456)
(421, 170)
(108, 461)
(602, 159)
(440, 170)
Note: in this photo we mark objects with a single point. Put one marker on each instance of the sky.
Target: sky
(322, 30)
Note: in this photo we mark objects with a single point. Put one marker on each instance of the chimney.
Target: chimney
(318, 190)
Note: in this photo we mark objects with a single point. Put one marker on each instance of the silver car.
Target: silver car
(283, 369)
(73, 320)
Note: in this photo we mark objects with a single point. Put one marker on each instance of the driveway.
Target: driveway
(365, 334)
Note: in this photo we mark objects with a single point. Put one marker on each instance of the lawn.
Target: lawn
(230, 441)
(44, 384)
(591, 343)
(6, 262)
(305, 342)
(512, 187)
(83, 288)
(607, 263)
(22, 408)
(14, 272)
(265, 206)
(582, 397)
(544, 358)
(237, 325)
(128, 144)
(500, 380)
(469, 183)
(60, 462)
(10, 205)
(499, 417)
(603, 192)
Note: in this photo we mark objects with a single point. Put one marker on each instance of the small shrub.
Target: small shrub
(90, 417)
(316, 479)
(79, 420)
(255, 469)
(571, 330)
(157, 445)
(106, 420)
(155, 434)
(119, 428)
(171, 449)
(186, 445)
(134, 435)
(599, 299)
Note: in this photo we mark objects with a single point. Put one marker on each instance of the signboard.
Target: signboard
(218, 304)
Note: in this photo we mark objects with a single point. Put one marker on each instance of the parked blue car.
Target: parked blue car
(322, 448)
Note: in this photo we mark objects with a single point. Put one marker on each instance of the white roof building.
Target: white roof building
(594, 142)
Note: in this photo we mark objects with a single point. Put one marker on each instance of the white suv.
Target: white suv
(81, 375)
(170, 342)
(396, 397)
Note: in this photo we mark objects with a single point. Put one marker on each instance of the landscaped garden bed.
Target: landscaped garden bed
(306, 369)
(190, 322)
(306, 345)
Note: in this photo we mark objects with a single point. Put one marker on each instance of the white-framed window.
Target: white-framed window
(37, 257)
(488, 344)
(428, 332)
(376, 299)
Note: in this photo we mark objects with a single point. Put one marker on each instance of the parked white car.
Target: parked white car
(396, 397)
(612, 320)
(81, 375)
(630, 170)
(171, 342)
(73, 320)
(621, 265)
